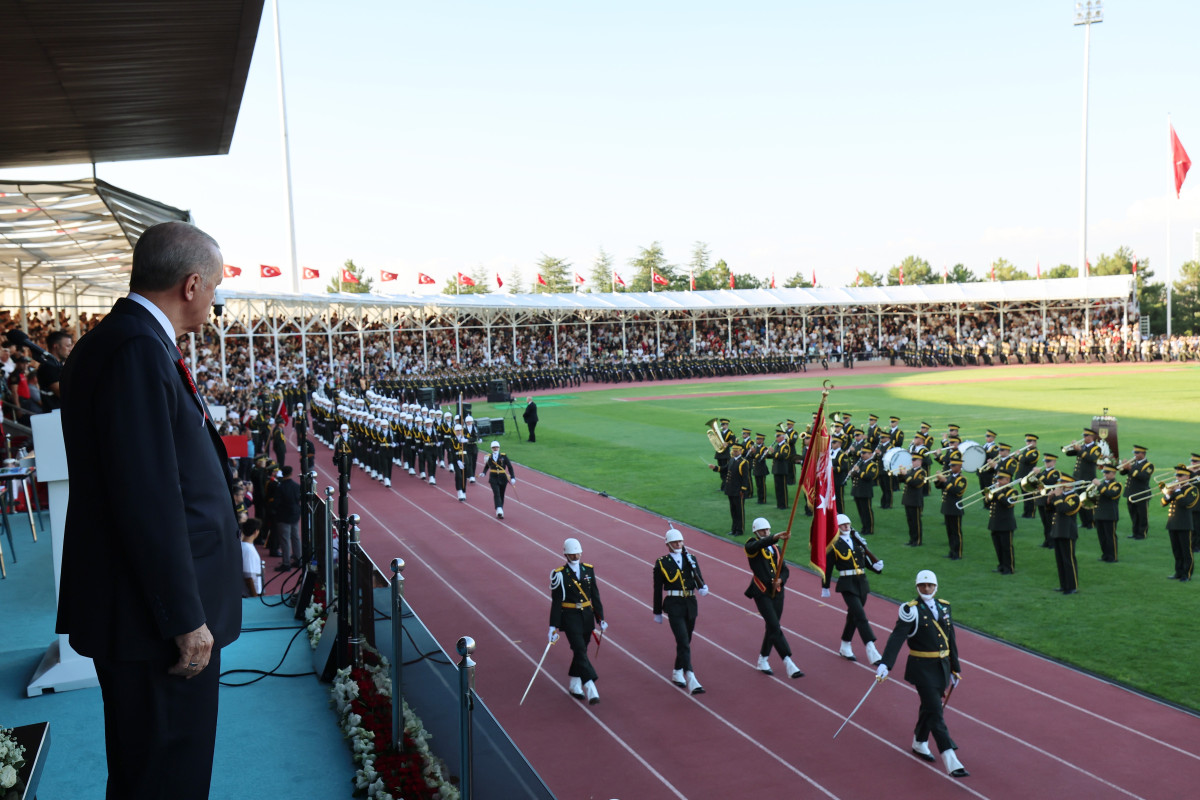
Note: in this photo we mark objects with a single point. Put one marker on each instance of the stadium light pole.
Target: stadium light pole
(1086, 14)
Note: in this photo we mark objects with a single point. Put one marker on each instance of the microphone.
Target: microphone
(18, 338)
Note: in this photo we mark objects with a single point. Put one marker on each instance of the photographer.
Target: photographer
(58, 345)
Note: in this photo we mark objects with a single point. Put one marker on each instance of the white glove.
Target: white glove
(954, 679)
(603, 625)
(703, 590)
(657, 618)
(824, 593)
(458, 464)
(881, 672)
(513, 481)
(877, 566)
(553, 634)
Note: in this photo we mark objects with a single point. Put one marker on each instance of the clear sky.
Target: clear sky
(788, 136)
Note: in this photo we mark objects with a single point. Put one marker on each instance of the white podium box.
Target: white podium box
(61, 669)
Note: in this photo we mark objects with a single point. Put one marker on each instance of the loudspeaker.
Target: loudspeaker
(427, 396)
(497, 426)
(498, 391)
(485, 426)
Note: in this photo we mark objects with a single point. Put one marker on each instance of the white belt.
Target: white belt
(679, 593)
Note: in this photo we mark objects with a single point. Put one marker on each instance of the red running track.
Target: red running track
(1026, 727)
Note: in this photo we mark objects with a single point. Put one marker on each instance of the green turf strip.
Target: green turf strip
(645, 444)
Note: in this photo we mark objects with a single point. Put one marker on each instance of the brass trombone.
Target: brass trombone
(984, 494)
(1146, 494)
(1046, 490)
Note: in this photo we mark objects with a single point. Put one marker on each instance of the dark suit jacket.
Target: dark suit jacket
(151, 547)
(530, 415)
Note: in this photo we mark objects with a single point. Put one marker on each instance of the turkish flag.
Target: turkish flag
(814, 280)
(659, 279)
(618, 279)
(578, 278)
(424, 279)
(1135, 266)
(268, 272)
(902, 276)
(993, 272)
(1039, 270)
(691, 280)
(731, 286)
(231, 271)
(772, 280)
(464, 280)
(1087, 269)
(1179, 161)
(816, 480)
(348, 277)
(311, 274)
(387, 276)
(499, 282)
(541, 280)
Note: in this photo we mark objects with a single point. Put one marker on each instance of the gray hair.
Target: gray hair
(170, 251)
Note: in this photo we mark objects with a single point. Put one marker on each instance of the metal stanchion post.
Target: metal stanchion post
(327, 578)
(397, 655)
(466, 689)
(349, 606)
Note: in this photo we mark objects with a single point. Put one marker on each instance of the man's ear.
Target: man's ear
(191, 285)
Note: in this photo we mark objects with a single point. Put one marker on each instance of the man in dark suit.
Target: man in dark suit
(151, 588)
(531, 418)
(285, 501)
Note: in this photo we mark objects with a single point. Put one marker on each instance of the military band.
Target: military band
(1181, 500)
(1138, 472)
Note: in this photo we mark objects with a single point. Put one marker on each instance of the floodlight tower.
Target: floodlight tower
(1086, 14)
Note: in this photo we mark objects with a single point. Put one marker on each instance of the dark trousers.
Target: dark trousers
(1138, 518)
(1003, 542)
(1181, 548)
(913, 515)
(737, 515)
(781, 493)
(930, 719)
(1027, 510)
(771, 610)
(1047, 515)
(578, 625)
(499, 486)
(429, 461)
(1085, 517)
(1106, 532)
(532, 428)
(1068, 567)
(866, 516)
(159, 730)
(460, 476)
(760, 484)
(954, 535)
(681, 627)
(856, 618)
(839, 498)
(885, 491)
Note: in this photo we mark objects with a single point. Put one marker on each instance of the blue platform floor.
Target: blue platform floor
(275, 737)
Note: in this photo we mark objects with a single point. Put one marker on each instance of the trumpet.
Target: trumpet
(712, 430)
(1072, 445)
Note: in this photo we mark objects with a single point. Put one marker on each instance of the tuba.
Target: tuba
(712, 429)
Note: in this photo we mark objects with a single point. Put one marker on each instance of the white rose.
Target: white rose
(8, 777)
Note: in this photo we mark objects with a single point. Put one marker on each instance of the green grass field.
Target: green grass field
(1128, 622)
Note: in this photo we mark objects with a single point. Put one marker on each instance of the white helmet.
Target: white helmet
(760, 524)
(470, 419)
(843, 520)
(674, 536)
(571, 547)
(926, 576)
(495, 445)
(457, 427)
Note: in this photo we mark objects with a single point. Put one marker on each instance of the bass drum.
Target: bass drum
(895, 459)
(973, 456)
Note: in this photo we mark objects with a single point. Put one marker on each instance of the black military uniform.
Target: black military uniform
(991, 449)
(849, 554)
(1180, 502)
(1106, 514)
(1086, 455)
(841, 461)
(766, 564)
(884, 480)
(913, 499)
(736, 487)
(758, 461)
(1139, 473)
(953, 486)
(575, 609)
(500, 472)
(865, 473)
(793, 440)
(781, 466)
(1002, 521)
(279, 443)
(1049, 476)
(1028, 463)
(724, 454)
(677, 582)
(1064, 533)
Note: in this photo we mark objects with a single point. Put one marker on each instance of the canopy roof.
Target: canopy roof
(109, 80)
(1029, 291)
(80, 231)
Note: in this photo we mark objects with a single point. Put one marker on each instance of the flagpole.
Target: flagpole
(803, 466)
(1170, 209)
(287, 158)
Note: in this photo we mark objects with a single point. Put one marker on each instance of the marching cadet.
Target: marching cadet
(953, 484)
(864, 473)
(430, 452)
(913, 499)
(1139, 472)
(1027, 464)
(780, 454)
(1087, 454)
(736, 487)
(1049, 476)
(1181, 499)
(758, 461)
(471, 433)
(677, 583)
(1064, 532)
(1002, 521)
(724, 455)
(575, 610)
(885, 480)
(499, 471)
(848, 553)
(1106, 513)
(932, 667)
(383, 430)
(445, 440)
(769, 578)
(458, 455)
(841, 461)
